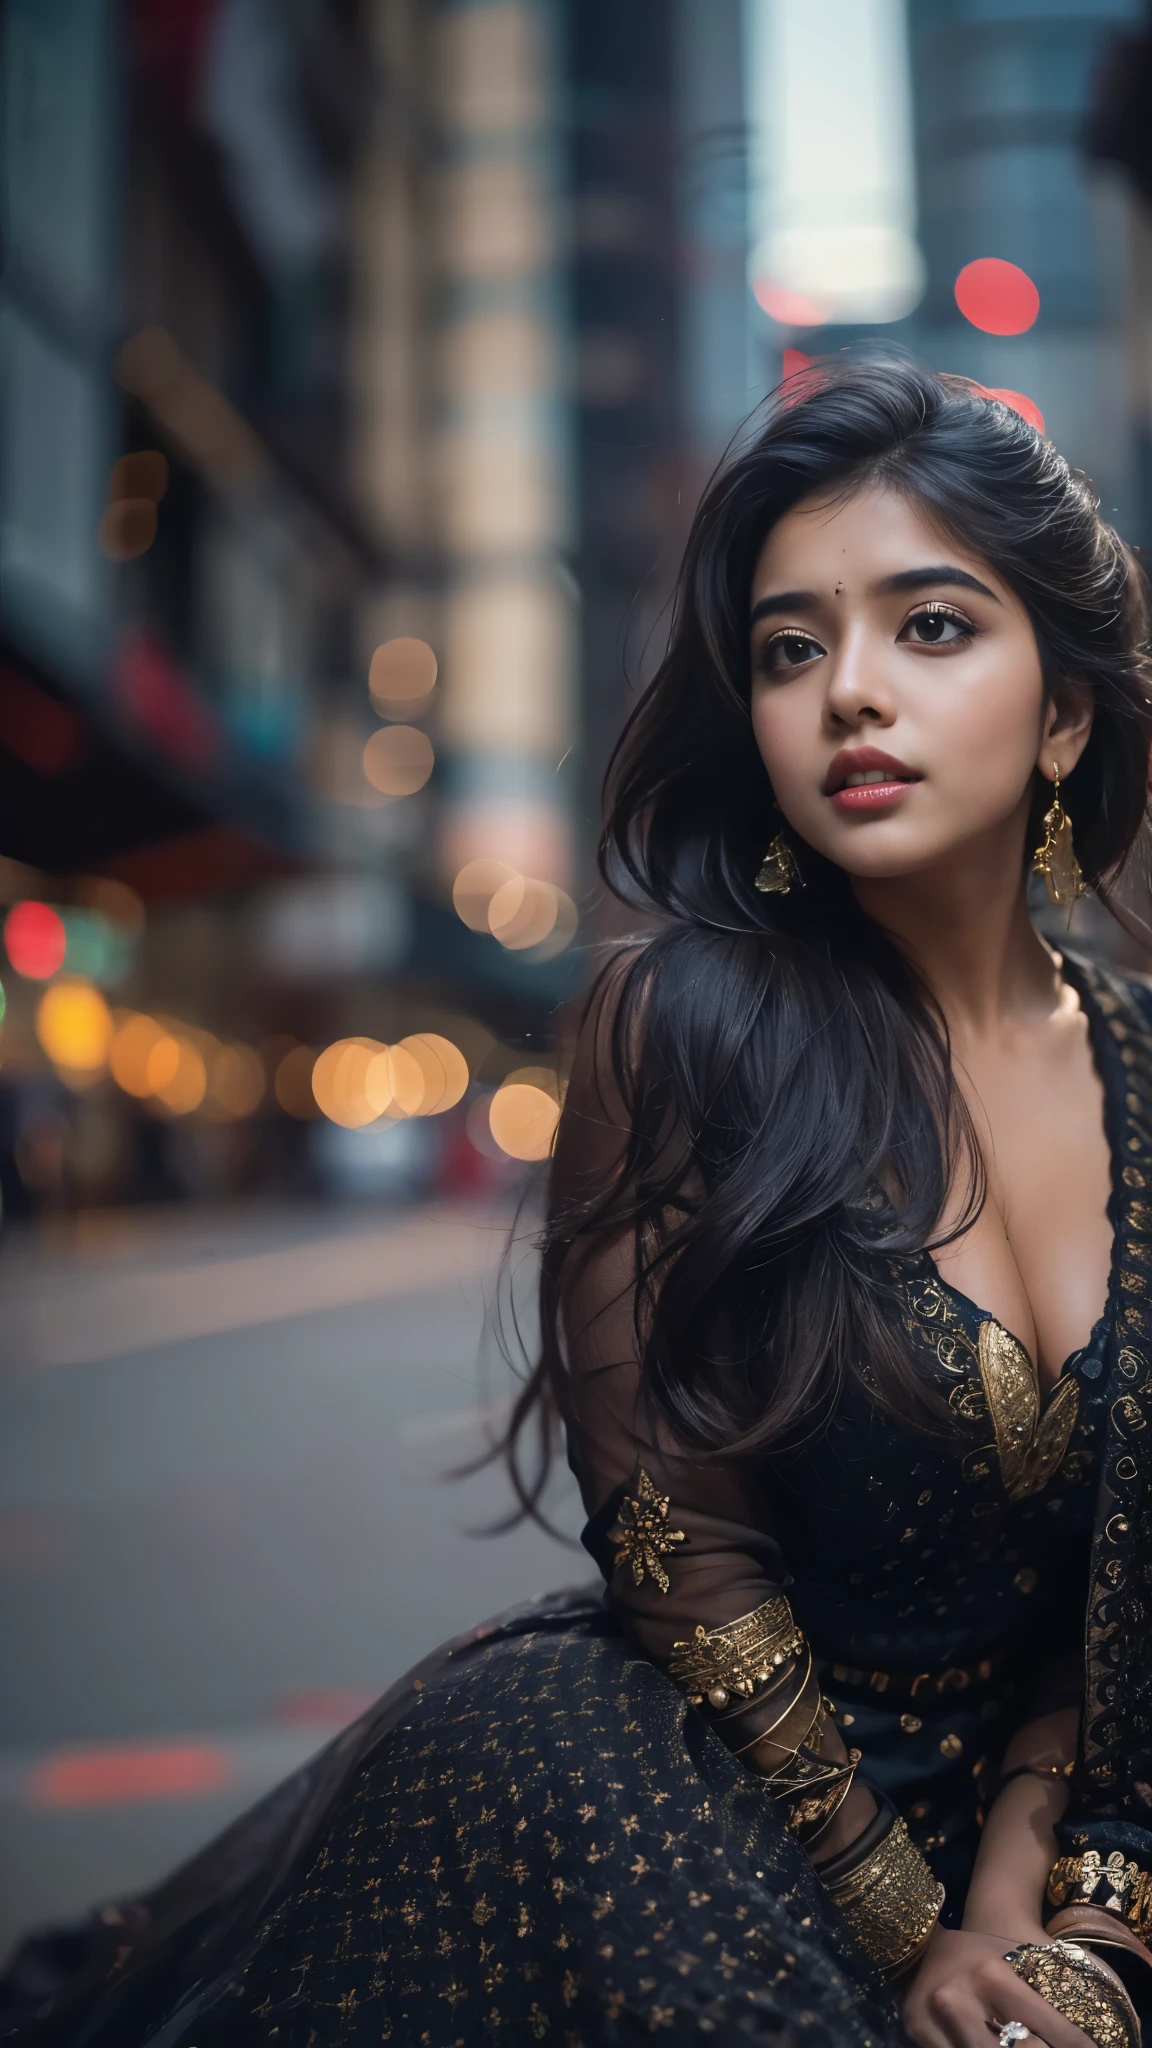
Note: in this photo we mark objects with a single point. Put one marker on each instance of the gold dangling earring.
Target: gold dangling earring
(779, 869)
(1056, 859)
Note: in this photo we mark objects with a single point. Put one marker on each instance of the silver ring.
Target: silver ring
(1013, 2031)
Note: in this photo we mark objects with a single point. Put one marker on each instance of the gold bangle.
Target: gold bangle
(1113, 1883)
(1080, 1987)
(745, 1653)
(891, 1901)
(812, 1810)
(796, 1700)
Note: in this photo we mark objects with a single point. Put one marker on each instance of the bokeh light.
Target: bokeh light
(127, 528)
(1026, 407)
(3, 1002)
(95, 947)
(236, 1080)
(525, 914)
(185, 1082)
(475, 886)
(338, 1081)
(398, 760)
(523, 1118)
(423, 1075)
(790, 308)
(292, 1086)
(74, 1026)
(35, 939)
(997, 297)
(402, 674)
(143, 474)
(135, 1039)
(114, 900)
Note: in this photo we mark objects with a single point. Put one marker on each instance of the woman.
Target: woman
(846, 1313)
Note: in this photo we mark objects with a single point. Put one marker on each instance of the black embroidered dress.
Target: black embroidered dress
(536, 1836)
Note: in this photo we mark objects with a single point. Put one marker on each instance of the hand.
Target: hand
(963, 1993)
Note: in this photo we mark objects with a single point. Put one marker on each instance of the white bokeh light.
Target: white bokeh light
(832, 198)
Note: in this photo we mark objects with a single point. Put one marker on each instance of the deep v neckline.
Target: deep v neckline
(1109, 1070)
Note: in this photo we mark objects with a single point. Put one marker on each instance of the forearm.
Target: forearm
(1018, 1846)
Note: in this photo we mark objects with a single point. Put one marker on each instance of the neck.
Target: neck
(965, 927)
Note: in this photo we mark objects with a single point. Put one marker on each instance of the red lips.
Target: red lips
(864, 761)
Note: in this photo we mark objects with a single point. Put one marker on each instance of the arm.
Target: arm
(1018, 1846)
(685, 1543)
(964, 1989)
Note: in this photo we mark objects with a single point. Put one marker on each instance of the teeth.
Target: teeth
(855, 781)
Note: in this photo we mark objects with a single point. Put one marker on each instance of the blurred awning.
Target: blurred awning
(72, 795)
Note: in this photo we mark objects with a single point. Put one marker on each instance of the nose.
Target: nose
(857, 692)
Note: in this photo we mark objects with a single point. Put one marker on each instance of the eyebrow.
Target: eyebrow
(933, 576)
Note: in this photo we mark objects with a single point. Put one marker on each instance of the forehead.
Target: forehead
(855, 541)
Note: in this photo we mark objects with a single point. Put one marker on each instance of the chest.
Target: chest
(1038, 1256)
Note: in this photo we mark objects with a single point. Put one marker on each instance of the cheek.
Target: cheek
(786, 731)
(982, 728)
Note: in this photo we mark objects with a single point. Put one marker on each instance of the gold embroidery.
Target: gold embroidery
(737, 1657)
(642, 1532)
(1030, 1445)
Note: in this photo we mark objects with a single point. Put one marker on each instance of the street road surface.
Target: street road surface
(223, 1523)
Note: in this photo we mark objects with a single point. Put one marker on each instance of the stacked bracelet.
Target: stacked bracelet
(887, 1894)
(738, 1658)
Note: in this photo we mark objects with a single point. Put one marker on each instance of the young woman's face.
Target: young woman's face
(897, 698)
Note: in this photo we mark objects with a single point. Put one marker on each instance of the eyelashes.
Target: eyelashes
(934, 625)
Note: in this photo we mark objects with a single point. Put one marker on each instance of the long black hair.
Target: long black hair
(787, 1118)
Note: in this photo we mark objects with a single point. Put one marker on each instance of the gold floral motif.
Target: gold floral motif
(1030, 1445)
(642, 1532)
(739, 1656)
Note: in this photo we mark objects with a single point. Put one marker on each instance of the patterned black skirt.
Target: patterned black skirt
(531, 1838)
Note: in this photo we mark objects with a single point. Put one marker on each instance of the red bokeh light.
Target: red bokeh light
(35, 938)
(790, 308)
(997, 297)
(1026, 407)
(112, 1775)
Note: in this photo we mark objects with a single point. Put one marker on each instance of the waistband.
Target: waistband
(913, 1685)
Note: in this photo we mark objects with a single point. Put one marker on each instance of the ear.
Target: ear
(1067, 728)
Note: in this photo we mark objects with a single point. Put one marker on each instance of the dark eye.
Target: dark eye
(936, 626)
(789, 649)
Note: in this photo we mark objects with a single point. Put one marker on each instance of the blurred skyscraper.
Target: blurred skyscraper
(1001, 91)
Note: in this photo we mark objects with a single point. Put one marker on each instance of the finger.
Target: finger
(966, 2024)
(920, 2026)
(1011, 1999)
(958, 2012)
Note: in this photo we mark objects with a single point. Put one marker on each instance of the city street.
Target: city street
(224, 1525)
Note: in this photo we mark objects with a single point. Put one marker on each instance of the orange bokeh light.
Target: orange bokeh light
(293, 1084)
(339, 1076)
(997, 297)
(523, 1118)
(402, 672)
(398, 760)
(474, 888)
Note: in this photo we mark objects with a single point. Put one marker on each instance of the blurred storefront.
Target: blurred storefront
(287, 618)
(360, 363)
